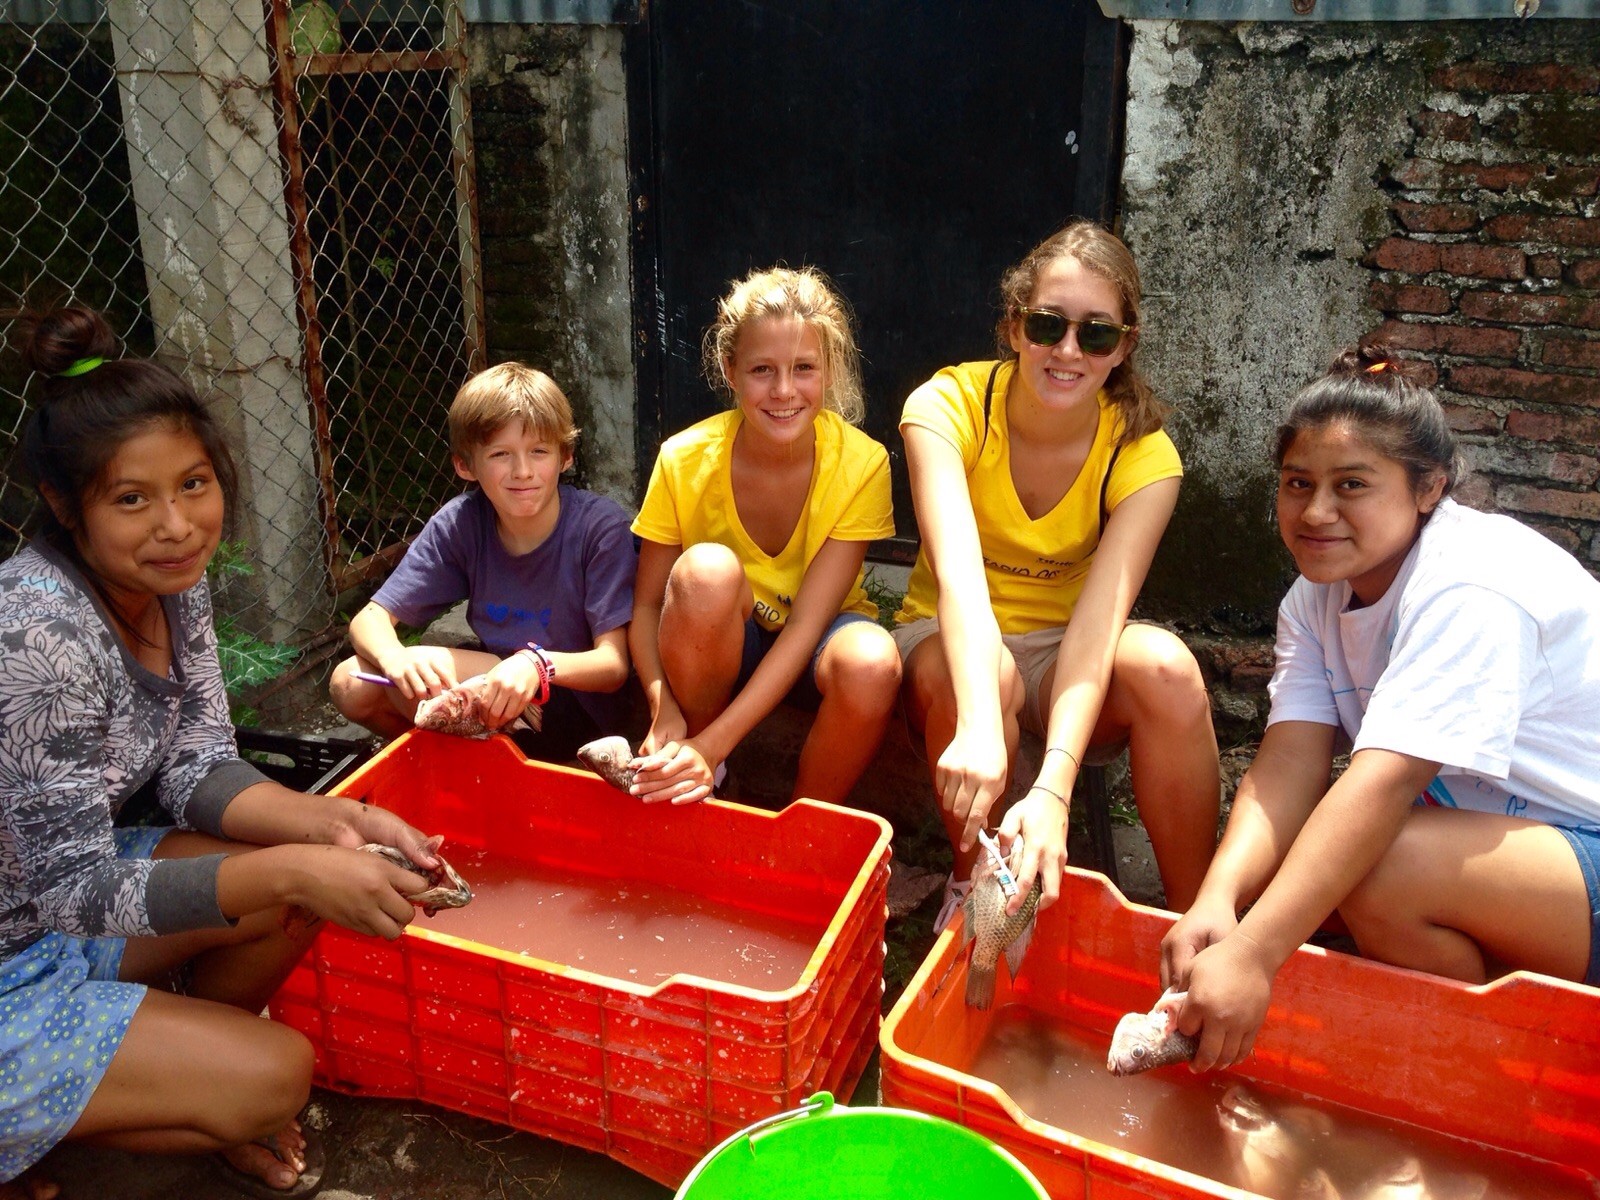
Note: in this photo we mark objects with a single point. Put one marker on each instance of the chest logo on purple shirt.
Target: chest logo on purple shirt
(501, 613)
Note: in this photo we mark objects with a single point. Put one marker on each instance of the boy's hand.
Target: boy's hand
(509, 687)
(421, 671)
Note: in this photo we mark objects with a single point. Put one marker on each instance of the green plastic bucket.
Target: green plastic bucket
(824, 1150)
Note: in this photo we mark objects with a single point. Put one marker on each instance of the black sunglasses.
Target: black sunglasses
(1096, 337)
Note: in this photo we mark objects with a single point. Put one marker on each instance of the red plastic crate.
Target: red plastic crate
(652, 1076)
(1512, 1065)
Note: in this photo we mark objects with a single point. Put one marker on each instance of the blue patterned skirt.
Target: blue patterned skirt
(62, 1016)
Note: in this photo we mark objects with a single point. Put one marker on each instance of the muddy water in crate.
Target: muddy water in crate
(1276, 1144)
(624, 929)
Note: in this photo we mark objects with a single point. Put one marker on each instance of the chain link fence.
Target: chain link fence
(276, 200)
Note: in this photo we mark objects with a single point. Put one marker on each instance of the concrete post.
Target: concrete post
(195, 83)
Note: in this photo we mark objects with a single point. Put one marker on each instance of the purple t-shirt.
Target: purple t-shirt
(577, 585)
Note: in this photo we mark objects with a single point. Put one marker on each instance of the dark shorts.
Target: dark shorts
(758, 641)
(1585, 843)
(566, 726)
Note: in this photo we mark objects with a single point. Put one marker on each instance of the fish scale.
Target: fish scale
(993, 932)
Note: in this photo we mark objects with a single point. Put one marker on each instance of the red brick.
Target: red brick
(1483, 262)
(1515, 308)
(1526, 385)
(1518, 77)
(1544, 266)
(1408, 297)
(1508, 227)
(1565, 231)
(1572, 352)
(1427, 174)
(1585, 273)
(1476, 341)
(1574, 468)
(1466, 419)
(1452, 127)
(1436, 218)
(1584, 506)
(1403, 254)
(1554, 427)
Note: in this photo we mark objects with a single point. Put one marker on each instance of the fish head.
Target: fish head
(1239, 1111)
(1142, 1041)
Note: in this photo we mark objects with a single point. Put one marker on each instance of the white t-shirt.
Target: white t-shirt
(1483, 656)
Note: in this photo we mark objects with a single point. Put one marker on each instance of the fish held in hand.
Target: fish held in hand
(608, 757)
(460, 711)
(1142, 1041)
(446, 888)
(993, 932)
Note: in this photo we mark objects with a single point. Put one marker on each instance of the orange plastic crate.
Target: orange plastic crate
(652, 1076)
(1513, 1065)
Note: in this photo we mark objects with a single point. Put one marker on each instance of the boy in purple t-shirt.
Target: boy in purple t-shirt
(546, 570)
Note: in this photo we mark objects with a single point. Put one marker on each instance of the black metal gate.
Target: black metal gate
(912, 151)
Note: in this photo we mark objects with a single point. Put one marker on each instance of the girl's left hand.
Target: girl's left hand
(359, 823)
(679, 771)
(1230, 986)
(1041, 821)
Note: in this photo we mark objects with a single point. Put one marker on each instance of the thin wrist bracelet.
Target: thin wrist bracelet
(1039, 787)
(1063, 750)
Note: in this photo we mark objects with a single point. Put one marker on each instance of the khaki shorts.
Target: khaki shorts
(1034, 653)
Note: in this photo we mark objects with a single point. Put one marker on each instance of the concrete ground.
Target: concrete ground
(396, 1150)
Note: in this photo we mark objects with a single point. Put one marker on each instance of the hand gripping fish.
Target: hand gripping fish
(1145, 1040)
(446, 889)
(459, 711)
(608, 757)
(992, 932)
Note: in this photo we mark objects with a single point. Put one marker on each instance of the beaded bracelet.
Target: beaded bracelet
(547, 671)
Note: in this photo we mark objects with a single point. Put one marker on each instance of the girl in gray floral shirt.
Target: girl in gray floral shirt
(109, 681)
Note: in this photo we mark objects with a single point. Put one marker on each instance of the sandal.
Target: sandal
(309, 1183)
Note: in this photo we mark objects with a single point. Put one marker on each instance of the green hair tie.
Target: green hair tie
(82, 367)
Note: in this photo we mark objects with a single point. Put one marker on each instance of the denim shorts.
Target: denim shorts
(1585, 843)
(758, 641)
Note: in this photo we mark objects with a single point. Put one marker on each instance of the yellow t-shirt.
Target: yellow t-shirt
(1035, 569)
(690, 500)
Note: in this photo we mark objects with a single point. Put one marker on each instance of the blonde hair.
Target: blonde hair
(504, 393)
(1104, 253)
(806, 295)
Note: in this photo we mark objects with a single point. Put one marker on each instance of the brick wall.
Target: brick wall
(1491, 274)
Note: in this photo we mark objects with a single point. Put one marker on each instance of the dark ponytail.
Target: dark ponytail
(1383, 399)
(79, 419)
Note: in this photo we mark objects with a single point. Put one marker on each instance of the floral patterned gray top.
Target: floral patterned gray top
(83, 725)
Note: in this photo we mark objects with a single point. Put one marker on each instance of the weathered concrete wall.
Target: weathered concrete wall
(550, 126)
(1265, 169)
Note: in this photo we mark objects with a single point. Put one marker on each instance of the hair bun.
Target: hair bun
(1378, 362)
(53, 340)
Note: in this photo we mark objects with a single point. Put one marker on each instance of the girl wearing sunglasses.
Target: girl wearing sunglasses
(1042, 483)
(1459, 654)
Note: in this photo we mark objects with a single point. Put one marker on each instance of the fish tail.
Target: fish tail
(980, 985)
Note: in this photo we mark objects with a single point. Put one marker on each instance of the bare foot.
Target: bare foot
(276, 1161)
(30, 1185)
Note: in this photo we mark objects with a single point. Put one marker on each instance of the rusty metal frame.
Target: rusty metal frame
(287, 69)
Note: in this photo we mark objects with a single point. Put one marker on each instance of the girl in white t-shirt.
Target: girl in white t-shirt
(1458, 655)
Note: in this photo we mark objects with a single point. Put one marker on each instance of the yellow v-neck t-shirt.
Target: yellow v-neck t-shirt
(690, 500)
(1035, 568)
